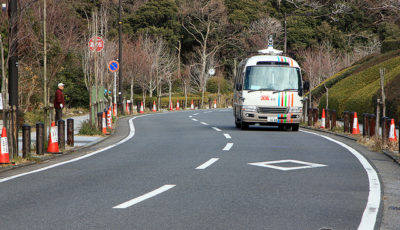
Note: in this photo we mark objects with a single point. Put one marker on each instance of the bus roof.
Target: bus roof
(271, 59)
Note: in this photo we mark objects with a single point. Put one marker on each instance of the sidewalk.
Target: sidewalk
(78, 139)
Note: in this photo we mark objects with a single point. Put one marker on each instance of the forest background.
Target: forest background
(169, 45)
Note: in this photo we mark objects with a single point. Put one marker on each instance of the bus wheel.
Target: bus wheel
(295, 127)
(244, 125)
(238, 124)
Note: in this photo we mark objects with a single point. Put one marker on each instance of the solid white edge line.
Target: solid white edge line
(227, 136)
(228, 147)
(144, 197)
(216, 129)
(131, 134)
(368, 219)
(208, 163)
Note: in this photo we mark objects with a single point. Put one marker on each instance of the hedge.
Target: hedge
(390, 45)
(357, 92)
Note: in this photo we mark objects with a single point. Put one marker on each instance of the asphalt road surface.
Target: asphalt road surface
(195, 170)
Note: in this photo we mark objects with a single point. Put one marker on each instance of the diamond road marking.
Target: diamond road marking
(272, 164)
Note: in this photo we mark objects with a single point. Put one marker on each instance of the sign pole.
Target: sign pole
(115, 88)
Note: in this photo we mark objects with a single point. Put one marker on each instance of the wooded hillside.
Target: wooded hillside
(169, 45)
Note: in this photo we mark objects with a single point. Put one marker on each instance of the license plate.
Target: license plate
(272, 119)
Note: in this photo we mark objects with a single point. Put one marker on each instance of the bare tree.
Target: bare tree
(261, 29)
(202, 20)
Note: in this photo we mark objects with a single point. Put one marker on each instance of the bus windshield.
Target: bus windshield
(272, 78)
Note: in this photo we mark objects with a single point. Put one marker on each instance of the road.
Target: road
(195, 170)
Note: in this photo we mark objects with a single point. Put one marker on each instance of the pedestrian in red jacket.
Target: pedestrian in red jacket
(59, 102)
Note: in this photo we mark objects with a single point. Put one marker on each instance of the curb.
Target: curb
(389, 154)
(49, 157)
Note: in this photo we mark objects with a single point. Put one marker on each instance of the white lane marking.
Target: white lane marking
(273, 165)
(131, 134)
(194, 119)
(216, 129)
(208, 112)
(228, 147)
(227, 136)
(195, 114)
(368, 219)
(203, 123)
(145, 196)
(190, 116)
(208, 163)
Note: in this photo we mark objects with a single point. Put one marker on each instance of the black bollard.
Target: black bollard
(99, 121)
(26, 140)
(309, 116)
(372, 123)
(315, 115)
(61, 134)
(333, 119)
(39, 138)
(384, 129)
(365, 124)
(351, 122)
(70, 130)
(327, 119)
(346, 118)
(138, 107)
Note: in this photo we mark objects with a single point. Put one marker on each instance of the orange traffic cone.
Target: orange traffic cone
(356, 127)
(215, 103)
(154, 107)
(170, 106)
(127, 108)
(141, 107)
(114, 110)
(192, 105)
(53, 139)
(392, 132)
(4, 156)
(109, 119)
(323, 119)
(177, 105)
(104, 124)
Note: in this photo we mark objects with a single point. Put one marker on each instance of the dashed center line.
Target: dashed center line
(194, 119)
(227, 136)
(203, 123)
(208, 163)
(228, 147)
(144, 197)
(195, 114)
(190, 116)
(216, 129)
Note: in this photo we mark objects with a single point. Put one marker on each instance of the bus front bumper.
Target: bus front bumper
(271, 119)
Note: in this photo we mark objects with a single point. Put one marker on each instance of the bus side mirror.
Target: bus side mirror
(306, 85)
(238, 86)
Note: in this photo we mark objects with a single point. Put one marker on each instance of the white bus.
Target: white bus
(269, 91)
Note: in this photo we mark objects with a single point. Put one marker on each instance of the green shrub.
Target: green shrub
(88, 129)
(390, 45)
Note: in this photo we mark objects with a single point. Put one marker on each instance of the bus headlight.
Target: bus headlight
(249, 108)
(295, 109)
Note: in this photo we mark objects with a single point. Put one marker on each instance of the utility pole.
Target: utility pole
(120, 60)
(46, 104)
(285, 45)
(13, 75)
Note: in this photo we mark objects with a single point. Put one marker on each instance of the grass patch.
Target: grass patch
(88, 129)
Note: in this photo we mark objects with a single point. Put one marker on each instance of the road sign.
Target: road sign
(100, 44)
(211, 72)
(294, 164)
(113, 66)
